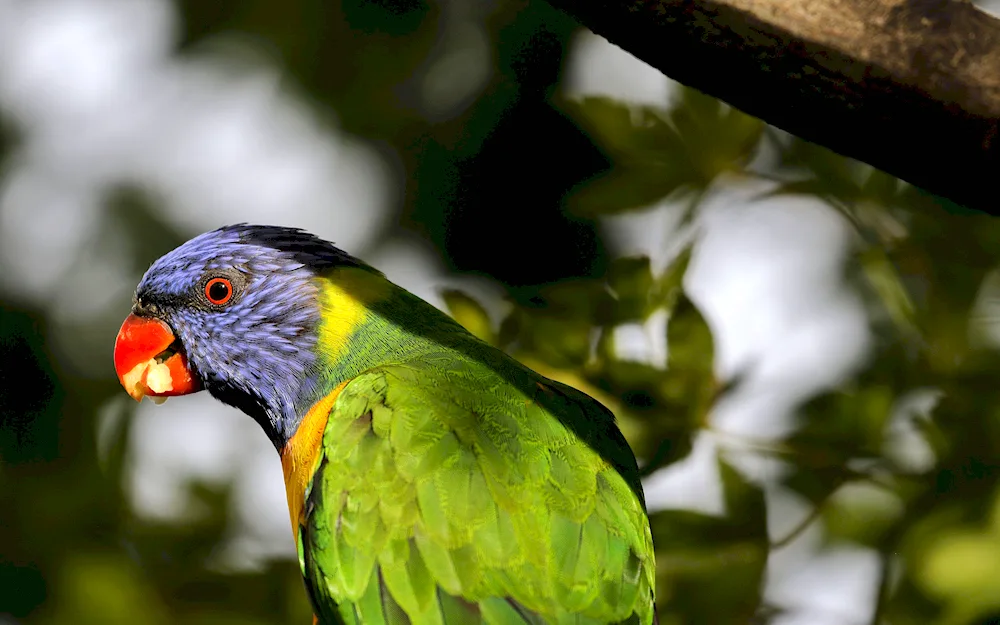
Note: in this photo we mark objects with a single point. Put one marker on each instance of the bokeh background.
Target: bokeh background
(801, 350)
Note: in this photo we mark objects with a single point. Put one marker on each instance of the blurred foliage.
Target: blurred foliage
(512, 185)
(659, 152)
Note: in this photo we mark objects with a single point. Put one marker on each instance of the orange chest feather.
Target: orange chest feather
(299, 456)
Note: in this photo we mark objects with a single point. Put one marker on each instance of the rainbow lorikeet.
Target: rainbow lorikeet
(431, 478)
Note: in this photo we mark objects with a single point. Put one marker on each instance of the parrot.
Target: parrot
(431, 478)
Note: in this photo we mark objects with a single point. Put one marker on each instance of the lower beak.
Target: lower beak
(146, 364)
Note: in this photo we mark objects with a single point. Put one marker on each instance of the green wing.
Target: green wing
(448, 494)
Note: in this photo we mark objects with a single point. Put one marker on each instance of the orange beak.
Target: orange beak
(146, 364)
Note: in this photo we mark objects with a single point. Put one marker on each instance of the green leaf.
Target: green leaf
(649, 161)
(963, 568)
(624, 132)
(557, 324)
(884, 280)
(675, 402)
(689, 382)
(657, 153)
(670, 284)
(689, 340)
(628, 187)
(840, 176)
(881, 187)
(510, 328)
(744, 501)
(630, 280)
(107, 589)
(837, 428)
(717, 137)
(861, 513)
(470, 313)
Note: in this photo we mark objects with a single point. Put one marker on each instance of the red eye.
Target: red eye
(219, 291)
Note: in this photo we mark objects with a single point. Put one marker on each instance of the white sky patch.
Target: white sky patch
(263, 530)
(990, 6)
(653, 232)
(196, 437)
(835, 585)
(645, 342)
(99, 281)
(787, 511)
(187, 437)
(692, 484)
(904, 443)
(42, 229)
(790, 252)
(597, 67)
(459, 65)
(815, 582)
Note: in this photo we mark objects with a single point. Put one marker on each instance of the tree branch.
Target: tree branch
(911, 87)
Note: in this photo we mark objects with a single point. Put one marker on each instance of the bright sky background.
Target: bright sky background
(100, 101)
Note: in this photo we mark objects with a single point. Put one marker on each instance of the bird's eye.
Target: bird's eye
(219, 291)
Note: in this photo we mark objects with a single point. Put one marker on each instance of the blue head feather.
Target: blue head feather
(256, 352)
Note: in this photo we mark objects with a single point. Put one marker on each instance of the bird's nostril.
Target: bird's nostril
(145, 308)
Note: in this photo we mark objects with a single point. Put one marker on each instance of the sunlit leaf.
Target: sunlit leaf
(861, 512)
(470, 313)
(963, 568)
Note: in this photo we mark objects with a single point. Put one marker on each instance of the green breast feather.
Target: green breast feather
(451, 492)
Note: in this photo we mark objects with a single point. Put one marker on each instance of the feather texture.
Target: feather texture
(447, 495)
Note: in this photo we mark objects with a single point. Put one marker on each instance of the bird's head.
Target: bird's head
(235, 311)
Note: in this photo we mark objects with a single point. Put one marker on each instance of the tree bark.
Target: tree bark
(911, 87)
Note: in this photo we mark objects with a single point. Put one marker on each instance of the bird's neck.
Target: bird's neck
(367, 321)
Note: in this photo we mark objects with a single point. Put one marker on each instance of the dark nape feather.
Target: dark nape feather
(303, 246)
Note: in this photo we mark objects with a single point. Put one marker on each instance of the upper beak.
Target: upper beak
(145, 363)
